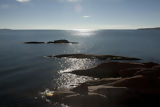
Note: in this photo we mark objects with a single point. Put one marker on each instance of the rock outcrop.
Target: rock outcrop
(92, 56)
(121, 85)
(110, 69)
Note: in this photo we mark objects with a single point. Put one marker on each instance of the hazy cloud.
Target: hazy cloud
(23, 1)
(86, 17)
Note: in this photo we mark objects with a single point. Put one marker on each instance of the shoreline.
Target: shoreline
(119, 84)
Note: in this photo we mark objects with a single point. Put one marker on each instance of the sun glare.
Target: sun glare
(84, 32)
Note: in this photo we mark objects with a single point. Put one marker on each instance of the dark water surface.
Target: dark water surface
(25, 72)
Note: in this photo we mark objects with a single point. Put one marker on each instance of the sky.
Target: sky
(79, 14)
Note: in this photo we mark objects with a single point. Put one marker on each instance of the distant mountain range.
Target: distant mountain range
(156, 28)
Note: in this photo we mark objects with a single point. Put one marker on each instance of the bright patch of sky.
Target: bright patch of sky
(79, 14)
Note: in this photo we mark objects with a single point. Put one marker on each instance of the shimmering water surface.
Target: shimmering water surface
(25, 72)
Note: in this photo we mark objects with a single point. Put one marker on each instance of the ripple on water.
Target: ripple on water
(68, 80)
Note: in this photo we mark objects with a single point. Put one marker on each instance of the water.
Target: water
(25, 72)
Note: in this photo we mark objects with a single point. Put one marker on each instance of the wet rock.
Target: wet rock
(129, 72)
(151, 72)
(59, 95)
(150, 64)
(114, 94)
(81, 89)
(100, 81)
(92, 56)
(90, 100)
(140, 83)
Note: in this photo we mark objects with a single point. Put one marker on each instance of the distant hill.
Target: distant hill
(5, 29)
(156, 28)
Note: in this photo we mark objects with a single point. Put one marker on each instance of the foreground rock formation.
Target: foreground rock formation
(92, 56)
(51, 42)
(120, 85)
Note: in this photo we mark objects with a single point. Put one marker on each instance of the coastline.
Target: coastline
(119, 84)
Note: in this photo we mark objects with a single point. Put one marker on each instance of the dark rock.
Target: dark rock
(150, 64)
(110, 69)
(140, 83)
(100, 81)
(61, 41)
(156, 67)
(50, 42)
(152, 72)
(129, 72)
(34, 42)
(90, 100)
(81, 89)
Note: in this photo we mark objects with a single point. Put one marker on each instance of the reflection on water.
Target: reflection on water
(83, 32)
(68, 80)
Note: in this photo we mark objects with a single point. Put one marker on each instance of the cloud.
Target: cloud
(86, 17)
(69, 0)
(23, 1)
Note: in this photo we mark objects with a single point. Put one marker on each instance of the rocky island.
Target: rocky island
(51, 42)
(34, 42)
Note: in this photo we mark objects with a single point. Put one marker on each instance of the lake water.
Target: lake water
(25, 72)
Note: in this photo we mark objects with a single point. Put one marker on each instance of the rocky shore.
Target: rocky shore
(120, 84)
(93, 56)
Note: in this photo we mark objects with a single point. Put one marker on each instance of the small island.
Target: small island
(51, 42)
(34, 42)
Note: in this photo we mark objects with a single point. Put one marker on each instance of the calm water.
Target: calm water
(25, 72)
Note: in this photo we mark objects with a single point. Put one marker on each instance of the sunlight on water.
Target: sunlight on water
(84, 32)
(68, 80)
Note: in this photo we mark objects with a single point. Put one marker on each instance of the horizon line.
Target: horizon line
(80, 28)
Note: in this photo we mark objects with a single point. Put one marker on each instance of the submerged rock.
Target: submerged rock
(92, 56)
